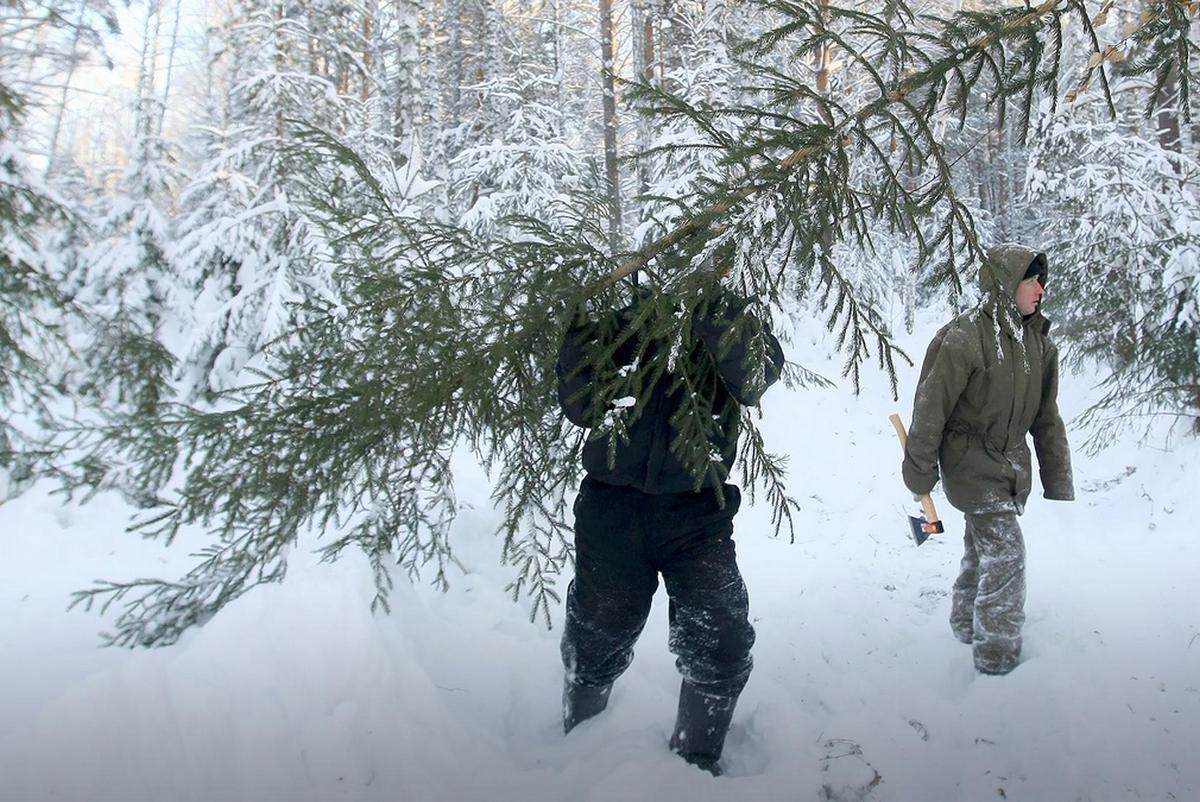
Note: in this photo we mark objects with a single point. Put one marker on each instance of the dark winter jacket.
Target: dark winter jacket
(990, 377)
(722, 379)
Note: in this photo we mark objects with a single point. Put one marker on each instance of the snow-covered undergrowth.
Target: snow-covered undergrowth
(296, 692)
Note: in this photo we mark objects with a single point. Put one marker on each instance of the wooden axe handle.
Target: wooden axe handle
(926, 500)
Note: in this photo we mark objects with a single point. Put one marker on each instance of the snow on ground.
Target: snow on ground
(296, 692)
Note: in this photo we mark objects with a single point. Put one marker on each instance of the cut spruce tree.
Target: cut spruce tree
(440, 342)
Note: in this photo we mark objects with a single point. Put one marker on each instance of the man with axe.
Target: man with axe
(989, 379)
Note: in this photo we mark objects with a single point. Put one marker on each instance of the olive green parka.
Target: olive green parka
(990, 377)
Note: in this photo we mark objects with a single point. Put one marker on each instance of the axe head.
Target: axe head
(922, 529)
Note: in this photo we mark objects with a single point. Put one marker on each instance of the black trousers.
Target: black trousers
(624, 539)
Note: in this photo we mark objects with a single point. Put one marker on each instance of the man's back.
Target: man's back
(645, 445)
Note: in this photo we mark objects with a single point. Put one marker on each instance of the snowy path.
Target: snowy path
(297, 693)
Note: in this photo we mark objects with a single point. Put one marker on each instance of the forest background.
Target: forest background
(274, 268)
(280, 215)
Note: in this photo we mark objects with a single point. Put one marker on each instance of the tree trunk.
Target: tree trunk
(552, 41)
(455, 60)
(1167, 115)
(644, 27)
(52, 152)
(368, 53)
(408, 78)
(166, 94)
(146, 124)
(824, 57)
(648, 58)
(607, 68)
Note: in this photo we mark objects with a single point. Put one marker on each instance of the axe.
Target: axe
(928, 524)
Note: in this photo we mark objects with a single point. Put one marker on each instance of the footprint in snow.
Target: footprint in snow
(846, 775)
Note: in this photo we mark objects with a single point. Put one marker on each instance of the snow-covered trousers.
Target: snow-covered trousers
(624, 539)
(988, 608)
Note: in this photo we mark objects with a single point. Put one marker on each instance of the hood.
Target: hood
(1005, 267)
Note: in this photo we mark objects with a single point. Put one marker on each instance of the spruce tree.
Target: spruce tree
(125, 270)
(526, 163)
(246, 255)
(29, 305)
(440, 339)
(41, 234)
(1121, 218)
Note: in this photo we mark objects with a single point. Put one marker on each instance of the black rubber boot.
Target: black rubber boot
(581, 702)
(700, 727)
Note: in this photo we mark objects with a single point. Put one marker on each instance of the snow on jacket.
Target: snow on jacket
(645, 455)
(990, 378)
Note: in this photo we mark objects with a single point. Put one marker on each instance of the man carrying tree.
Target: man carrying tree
(990, 378)
(655, 501)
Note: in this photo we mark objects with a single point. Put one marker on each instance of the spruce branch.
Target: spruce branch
(438, 339)
(963, 49)
(434, 340)
(760, 468)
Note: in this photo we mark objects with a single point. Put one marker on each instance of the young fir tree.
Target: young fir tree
(530, 164)
(441, 339)
(691, 60)
(41, 234)
(1121, 215)
(1125, 200)
(125, 270)
(245, 252)
(30, 304)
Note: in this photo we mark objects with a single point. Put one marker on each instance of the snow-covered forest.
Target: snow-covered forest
(281, 290)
